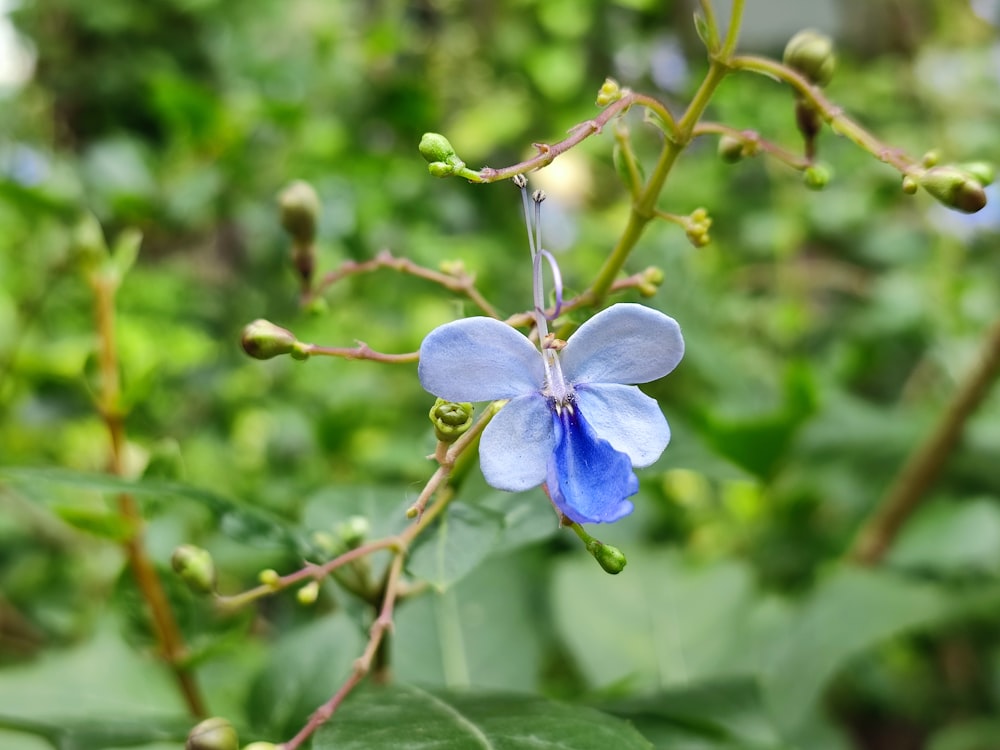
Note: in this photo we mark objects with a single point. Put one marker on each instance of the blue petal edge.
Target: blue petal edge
(479, 359)
(588, 480)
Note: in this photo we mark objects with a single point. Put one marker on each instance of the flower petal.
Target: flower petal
(515, 447)
(626, 343)
(627, 418)
(588, 480)
(479, 359)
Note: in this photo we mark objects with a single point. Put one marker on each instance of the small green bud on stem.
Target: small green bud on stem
(262, 339)
(195, 567)
(308, 594)
(611, 559)
(269, 578)
(450, 419)
(983, 171)
(434, 147)
(213, 734)
(811, 54)
(652, 277)
(299, 207)
(817, 176)
(609, 93)
(353, 532)
(954, 187)
(697, 226)
(731, 149)
(88, 243)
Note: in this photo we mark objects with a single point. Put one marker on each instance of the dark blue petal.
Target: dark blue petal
(588, 480)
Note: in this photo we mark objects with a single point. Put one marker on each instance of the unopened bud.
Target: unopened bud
(308, 594)
(195, 567)
(652, 277)
(983, 171)
(811, 54)
(731, 149)
(89, 244)
(440, 169)
(450, 419)
(954, 188)
(609, 93)
(213, 734)
(353, 531)
(261, 746)
(299, 206)
(816, 176)
(610, 558)
(269, 578)
(262, 339)
(435, 147)
(910, 184)
(932, 158)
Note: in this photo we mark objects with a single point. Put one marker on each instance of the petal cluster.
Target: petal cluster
(583, 443)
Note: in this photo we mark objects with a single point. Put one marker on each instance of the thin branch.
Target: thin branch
(361, 351)
(755, 141)
(460, 282)
(165, 628)
(547, 152)
(926, 462)
(833, 115)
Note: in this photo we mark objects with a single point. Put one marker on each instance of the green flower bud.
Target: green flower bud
(731, 149)
(652, 277)
(983, 171)
(811, 54)
(88, 241)
(300, 351)
(451, 420)
(270, 578)
(440, 169)
(610, 558)
(954, 188)
(609, 93)
(195, 567)
(434, 147)
(261, 746)
(308, 594)
(910, 184)
(262, 339)
(299, 207)
(353, 531)
(213, 734)
(817, 176)
(932, 158)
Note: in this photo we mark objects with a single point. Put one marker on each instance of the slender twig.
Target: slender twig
(165, 628)
(756, 142)
(361, 351)
(461, 282)
(832, 114)
(928, 459)
(547, 152)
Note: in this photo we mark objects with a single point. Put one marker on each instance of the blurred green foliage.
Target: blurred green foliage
(826, 332)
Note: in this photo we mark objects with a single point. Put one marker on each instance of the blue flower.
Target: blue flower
(575, 419)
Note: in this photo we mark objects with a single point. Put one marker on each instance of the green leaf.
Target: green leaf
(952, 538)
(487, 630)
(77, 701)
(728, 715)
(404, 717)
(305, 667)
(241, 522)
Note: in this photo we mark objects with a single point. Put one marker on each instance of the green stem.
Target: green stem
(644, 207)
(832, 114)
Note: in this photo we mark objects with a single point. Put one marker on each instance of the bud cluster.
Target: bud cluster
(451, 419)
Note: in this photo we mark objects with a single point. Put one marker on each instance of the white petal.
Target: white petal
(517, 443)
(627, 418)
(627, 343)
(479, 359)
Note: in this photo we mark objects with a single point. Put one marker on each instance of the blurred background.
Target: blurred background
(826, 333)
